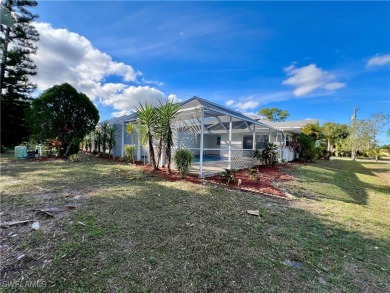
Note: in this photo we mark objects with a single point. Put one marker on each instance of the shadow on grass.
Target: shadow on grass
(168, 237)
(338, 180)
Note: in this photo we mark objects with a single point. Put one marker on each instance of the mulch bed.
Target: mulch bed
(268, 175)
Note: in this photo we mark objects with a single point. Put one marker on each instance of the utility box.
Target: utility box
(21, 152)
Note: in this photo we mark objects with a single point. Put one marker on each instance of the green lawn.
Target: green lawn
(134, 232)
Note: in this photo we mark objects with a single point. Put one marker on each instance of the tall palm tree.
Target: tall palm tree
(166, 114)
(147, 115)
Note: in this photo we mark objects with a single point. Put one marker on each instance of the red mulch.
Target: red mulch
(268, 175)
(265, 186)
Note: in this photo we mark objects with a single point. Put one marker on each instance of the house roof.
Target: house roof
(212, 109)
(125, 118)
(293, 126)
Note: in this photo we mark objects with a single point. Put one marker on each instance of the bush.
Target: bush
(254, 173)
(268, 156)
(129, 152)
(229, 175)
(74, 158)
(308, 152)
(183, 160)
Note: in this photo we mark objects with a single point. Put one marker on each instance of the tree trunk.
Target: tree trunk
(151, 152)
(159, 152)
(169, 156)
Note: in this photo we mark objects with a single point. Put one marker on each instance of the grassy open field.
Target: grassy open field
(134, 232)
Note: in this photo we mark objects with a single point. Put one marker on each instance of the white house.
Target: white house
(218, 137)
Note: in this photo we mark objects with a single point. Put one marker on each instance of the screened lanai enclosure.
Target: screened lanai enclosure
(217, 137)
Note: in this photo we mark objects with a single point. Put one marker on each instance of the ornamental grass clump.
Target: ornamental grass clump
(183, 160)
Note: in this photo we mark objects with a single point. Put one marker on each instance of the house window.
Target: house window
(261, 141)
(218, 140)
(288, 140)
(247, 143)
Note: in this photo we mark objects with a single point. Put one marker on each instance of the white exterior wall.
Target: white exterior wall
(210, 142)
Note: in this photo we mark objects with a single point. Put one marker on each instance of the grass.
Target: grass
(134, 232)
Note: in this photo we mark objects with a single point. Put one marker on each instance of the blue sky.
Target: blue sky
(314, 59)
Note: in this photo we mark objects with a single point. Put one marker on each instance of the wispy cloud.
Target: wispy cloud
(310, 78)
(378, 60)
(190, 34)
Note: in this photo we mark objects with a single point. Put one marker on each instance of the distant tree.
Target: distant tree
(17, 44)
(274, 114)
(313, 130)
(63, 114)
(333, 132)
(364, 133)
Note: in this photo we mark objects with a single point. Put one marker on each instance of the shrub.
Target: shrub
(74, 158)
(268, 156)
(308, 152)
(183, 160)
(129, 152)
(229, 175)
(254, 173)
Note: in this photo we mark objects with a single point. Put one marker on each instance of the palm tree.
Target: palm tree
(147, 115)
(97, 139)
(104, 132)
(111, 141)
(166, 114)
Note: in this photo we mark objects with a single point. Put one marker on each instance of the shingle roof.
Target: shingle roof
(119, 120)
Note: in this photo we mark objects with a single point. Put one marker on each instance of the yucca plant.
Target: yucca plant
(166, 113)
(229, 175)
(183, 160)
(147, 115)
(111, 140)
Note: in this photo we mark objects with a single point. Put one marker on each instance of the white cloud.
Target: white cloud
(310, 78)
(334, 86)
(248, 105)
(120, 113)
(65, 56)
(379, 60)
(243, 105)
(173, 98)
(132, 96)
(158, 83)
(229, 103)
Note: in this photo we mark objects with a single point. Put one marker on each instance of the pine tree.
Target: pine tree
(17, 45)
